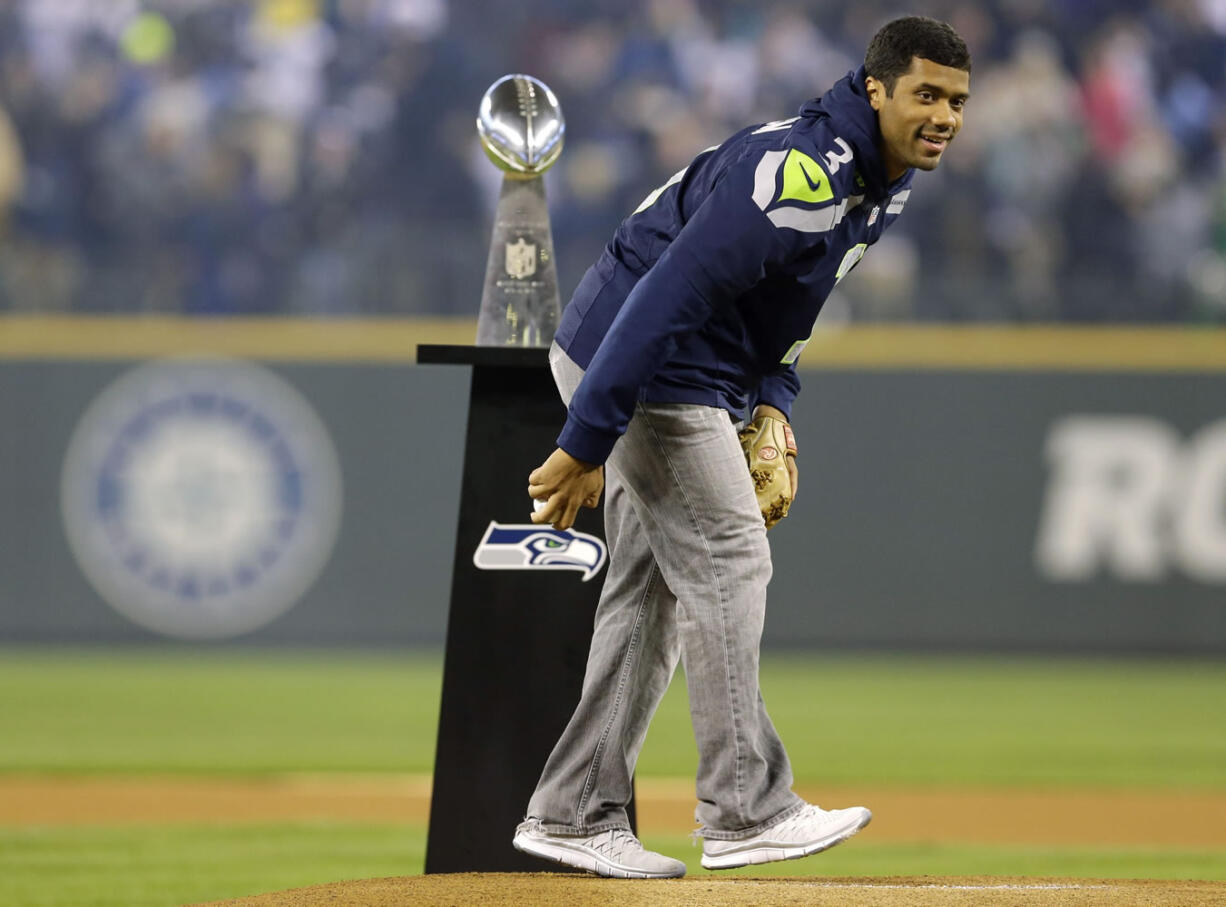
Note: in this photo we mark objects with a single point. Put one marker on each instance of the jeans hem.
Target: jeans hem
(742, 833)
(574, 831)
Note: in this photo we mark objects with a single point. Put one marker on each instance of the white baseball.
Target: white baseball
(538, 505)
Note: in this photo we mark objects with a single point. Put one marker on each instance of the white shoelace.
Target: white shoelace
(616, 844)
(802, 820)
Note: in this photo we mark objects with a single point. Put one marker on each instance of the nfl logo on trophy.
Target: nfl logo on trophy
(521, 128)
(521, 259)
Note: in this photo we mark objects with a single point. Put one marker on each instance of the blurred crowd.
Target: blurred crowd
(320, 156)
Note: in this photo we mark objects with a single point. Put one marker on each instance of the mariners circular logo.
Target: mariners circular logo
(201, 497)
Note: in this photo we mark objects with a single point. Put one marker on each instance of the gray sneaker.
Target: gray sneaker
(616, 853)
(810, 831)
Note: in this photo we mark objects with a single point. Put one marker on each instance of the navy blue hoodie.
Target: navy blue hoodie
(709, 291)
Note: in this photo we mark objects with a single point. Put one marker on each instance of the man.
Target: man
(695, 314)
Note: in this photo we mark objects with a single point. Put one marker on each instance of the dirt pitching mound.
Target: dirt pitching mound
(582, 891)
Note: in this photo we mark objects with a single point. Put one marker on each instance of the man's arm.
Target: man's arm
(779, 390)
(722, 251)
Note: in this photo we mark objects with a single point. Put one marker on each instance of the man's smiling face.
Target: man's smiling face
(921, 116)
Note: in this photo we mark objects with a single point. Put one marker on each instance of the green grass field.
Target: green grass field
(906, 721)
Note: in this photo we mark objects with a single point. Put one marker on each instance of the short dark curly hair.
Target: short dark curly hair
(890, 52)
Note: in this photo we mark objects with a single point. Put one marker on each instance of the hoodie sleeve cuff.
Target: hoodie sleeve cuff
(586, 444)
(779, 391)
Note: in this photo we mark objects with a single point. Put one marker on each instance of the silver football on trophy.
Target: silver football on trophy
(521, 126)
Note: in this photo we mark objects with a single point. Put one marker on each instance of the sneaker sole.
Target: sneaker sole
(768, 854)
(579, 857)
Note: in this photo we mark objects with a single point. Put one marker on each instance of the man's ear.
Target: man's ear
(876, 92)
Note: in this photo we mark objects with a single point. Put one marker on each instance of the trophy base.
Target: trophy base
(520, 306)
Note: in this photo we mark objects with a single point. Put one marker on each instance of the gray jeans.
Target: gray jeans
(688, 569)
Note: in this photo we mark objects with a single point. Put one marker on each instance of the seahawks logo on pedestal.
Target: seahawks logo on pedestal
(201, 497)
(528, 546)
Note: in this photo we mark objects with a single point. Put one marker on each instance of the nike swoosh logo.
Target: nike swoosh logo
(812, 184)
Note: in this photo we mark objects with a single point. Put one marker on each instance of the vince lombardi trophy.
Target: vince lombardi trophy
(521, 128)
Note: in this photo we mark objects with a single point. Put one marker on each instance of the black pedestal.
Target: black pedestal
(520, 623)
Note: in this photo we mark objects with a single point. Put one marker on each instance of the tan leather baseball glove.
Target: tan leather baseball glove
(767, 443)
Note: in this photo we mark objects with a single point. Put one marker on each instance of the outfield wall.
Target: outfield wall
(965, 488)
